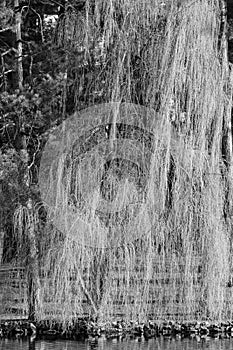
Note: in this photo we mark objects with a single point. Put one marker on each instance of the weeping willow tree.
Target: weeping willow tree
(174, 258)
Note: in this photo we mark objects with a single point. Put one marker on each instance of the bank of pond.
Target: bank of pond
(89, 329)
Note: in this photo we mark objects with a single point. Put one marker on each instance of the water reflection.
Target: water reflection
(160, 343)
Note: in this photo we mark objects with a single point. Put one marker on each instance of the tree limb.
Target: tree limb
(6, 29)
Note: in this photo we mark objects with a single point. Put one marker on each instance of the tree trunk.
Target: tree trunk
(227, 151)
(31, 229)
(2, 229)
(227, 132)
(33, 265)
(18, 22)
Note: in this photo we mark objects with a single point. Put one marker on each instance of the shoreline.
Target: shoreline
(86, 328)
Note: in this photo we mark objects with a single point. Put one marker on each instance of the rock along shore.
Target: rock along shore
(86, 328)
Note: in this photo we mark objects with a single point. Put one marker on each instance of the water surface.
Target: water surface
(160, 343)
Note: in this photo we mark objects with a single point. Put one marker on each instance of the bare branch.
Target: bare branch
(31, 59)
(41, 24)
(40, 20)
(53, 2)
(3, 72)
(6, 72)
(9, 51)
(6, 29)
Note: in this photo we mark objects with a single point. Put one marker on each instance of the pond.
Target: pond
(160, 343)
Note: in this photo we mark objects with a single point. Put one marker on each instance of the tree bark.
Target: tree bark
(18, 23)
(33, 264)
(227, 132)
(31, 231)
(227, 147)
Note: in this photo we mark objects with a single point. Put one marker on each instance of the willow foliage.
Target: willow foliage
(166, 56)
